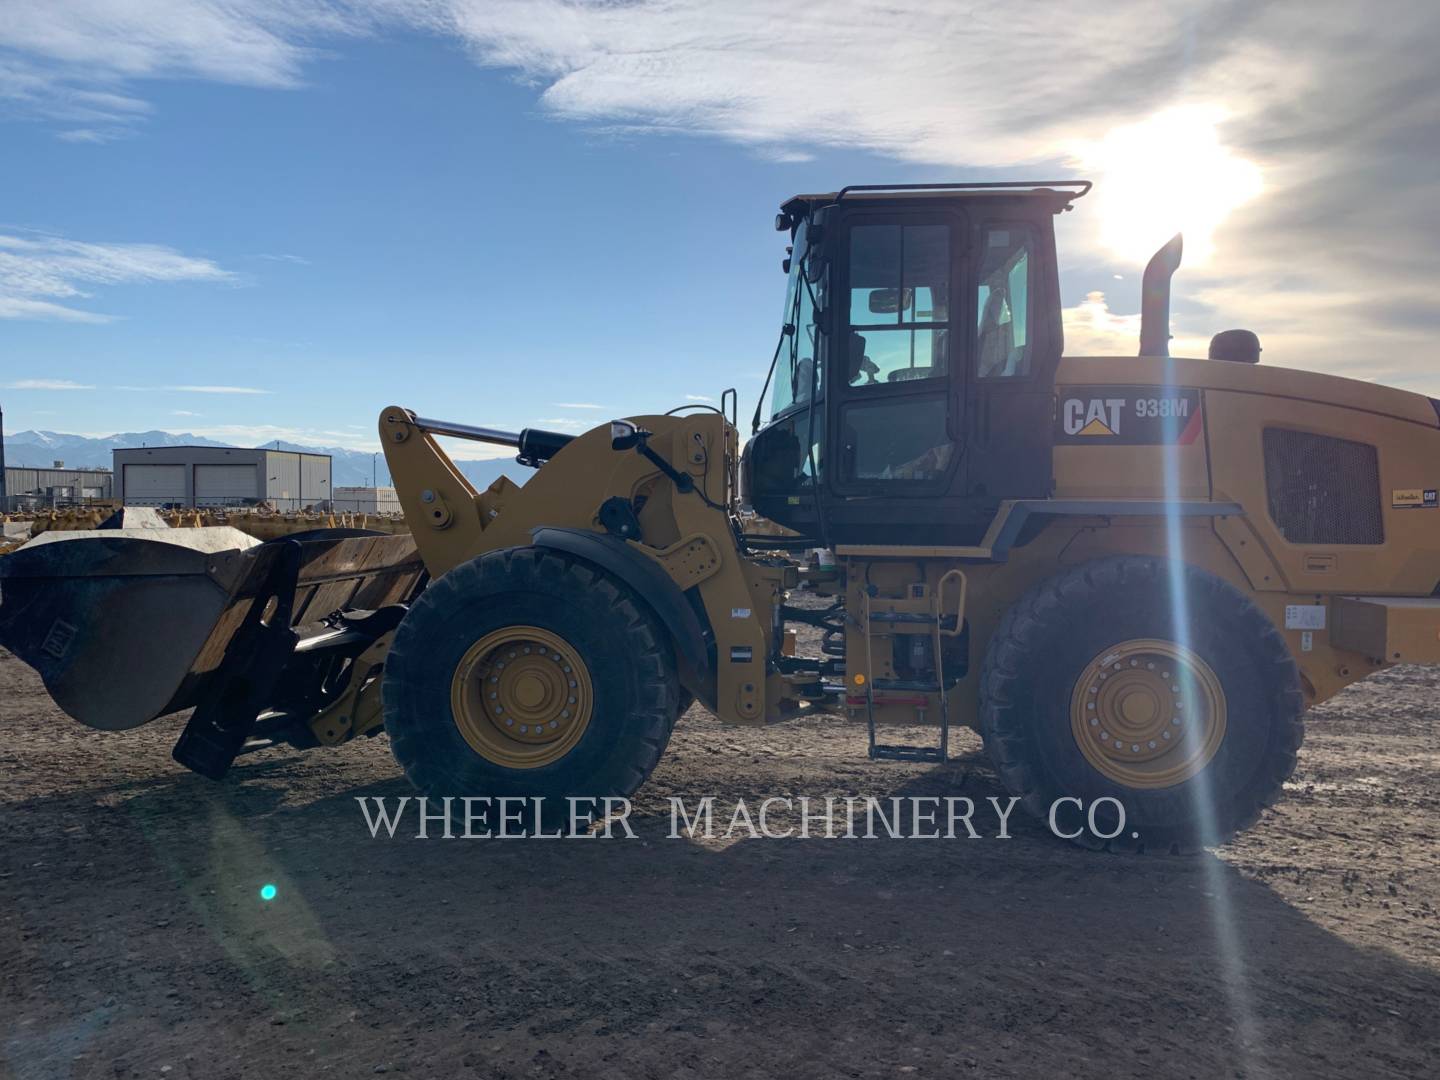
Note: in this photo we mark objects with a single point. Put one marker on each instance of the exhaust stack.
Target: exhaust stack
(1155, 298)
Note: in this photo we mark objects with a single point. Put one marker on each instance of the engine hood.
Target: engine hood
(1249, 379)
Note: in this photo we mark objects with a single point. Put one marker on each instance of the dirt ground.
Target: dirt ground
(134, 942)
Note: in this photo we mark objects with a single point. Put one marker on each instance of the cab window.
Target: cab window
(899, 305)
(799, 370)
(1003, 345)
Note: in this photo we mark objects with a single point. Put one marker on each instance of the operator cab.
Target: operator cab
(912, 388)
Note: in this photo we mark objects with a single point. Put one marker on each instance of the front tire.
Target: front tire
(1154, 684)
(528, 673)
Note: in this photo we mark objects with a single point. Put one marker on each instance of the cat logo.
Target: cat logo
(1098, 417)
(1129, 416)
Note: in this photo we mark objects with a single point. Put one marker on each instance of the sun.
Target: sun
(1166, 174)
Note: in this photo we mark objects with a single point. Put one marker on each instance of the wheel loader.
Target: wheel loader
(1132, 575)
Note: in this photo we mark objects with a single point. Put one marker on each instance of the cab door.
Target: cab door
(897, 375)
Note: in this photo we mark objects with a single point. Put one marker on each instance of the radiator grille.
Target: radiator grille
(1323, 490)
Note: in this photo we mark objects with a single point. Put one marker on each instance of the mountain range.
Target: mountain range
(348, 468)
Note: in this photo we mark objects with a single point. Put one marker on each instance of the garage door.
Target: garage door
(154, 485)
(225, 485)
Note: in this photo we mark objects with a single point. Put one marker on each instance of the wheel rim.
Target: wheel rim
(1148, 713)
(521, 697)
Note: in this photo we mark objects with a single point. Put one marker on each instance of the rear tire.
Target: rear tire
(563, 621)
(1081, 698)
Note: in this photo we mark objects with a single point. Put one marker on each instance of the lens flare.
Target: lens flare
(1229, 950)
(268, 892)
(1166, 174)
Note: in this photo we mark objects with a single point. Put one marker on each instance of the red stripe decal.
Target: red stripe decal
(1192, 429)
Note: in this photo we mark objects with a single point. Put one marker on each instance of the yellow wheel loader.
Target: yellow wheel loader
(1131, 574)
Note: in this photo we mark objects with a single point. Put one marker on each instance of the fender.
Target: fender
(654, 587)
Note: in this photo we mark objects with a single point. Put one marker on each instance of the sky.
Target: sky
(271, 219)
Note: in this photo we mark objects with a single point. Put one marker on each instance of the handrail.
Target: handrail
(990, 185)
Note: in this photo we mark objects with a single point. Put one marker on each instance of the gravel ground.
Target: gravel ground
(134, 942)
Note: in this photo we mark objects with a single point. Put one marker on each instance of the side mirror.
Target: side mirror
(624, 435)
(890, 301)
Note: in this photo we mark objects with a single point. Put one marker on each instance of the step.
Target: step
(896, 752)
(906, 684)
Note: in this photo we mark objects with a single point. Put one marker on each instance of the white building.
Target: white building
(55, 486)
(221, 476)
(366, 500)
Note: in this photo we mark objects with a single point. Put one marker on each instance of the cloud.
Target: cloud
(215, 389)
(183, 412)
(698, 397)
(1319, 145)
(47, 384)
(263, 434)
(38, 272)
(691, 66)
(72, 60)
(89, 135)
(184, 389)
(1092, 329)
(20, 307)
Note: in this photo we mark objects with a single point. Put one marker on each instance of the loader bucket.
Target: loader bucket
(126, 625)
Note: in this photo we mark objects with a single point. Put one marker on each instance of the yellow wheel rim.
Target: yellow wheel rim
(1148, 713)
(521, 697)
